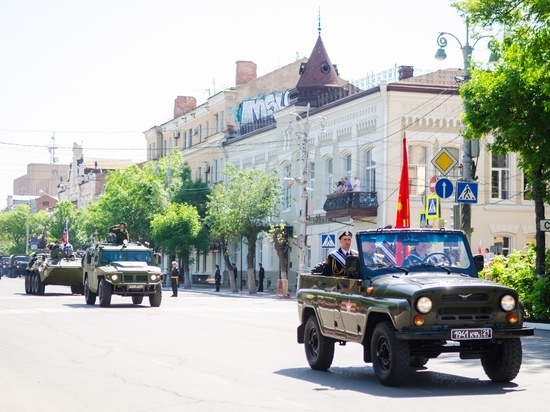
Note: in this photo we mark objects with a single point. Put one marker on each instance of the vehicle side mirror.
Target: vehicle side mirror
(352, 267)
(479, 261)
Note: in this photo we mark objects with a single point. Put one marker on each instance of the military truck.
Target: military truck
(129, 269)
(44, 269)
(405, 309)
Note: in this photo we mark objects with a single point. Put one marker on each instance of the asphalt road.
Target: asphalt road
(205, 351)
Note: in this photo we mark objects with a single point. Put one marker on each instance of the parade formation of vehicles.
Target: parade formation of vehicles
(405, 312)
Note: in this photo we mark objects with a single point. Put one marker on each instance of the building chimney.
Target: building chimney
(246, 71)
(184, 104)
(405, 72)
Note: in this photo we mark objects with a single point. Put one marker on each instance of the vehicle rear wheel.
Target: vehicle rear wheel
(105, 293)
(502, 363)
(390, 356)
(88, 294)
(40, 286)
(27, 283)
(137, 299)
(156, 299)
(77, 289)
(319, 349)
(33, 284)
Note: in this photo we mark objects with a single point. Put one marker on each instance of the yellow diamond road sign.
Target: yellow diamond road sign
(444, 161)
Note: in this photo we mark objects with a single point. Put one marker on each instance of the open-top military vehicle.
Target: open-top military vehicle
(128, 269)
(43, 269)
(406, 310)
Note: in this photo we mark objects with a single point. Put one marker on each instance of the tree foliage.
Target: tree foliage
(241, 208)
(177, 230)
(13, 228)
(512, 101)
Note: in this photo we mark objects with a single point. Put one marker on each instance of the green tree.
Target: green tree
(14, 224)
(241, 208)
(177, 230)
(512, 101)
(133, 195)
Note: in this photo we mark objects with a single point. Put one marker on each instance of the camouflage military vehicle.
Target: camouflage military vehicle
(405, 310)
(43, 269)
(129, 269)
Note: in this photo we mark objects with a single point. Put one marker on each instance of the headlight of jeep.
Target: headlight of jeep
(114, 277)
(155, 277)
(507, 303)
(424, 304)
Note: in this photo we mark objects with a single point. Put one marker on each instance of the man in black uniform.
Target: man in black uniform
(217, 278)
(335, 265)
(120, 232)
(261, 277)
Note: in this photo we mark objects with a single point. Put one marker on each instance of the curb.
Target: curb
(539, 326)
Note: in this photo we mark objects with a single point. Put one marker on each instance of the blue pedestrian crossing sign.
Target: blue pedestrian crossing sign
(328, 240)
(432, 207)
(466, 192)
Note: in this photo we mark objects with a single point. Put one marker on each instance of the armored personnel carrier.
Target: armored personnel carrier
(127, 269)
(43, 269)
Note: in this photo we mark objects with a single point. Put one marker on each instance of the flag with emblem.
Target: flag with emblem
(403, 203)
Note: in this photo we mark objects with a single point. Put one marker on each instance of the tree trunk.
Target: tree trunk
(252, 289)
(185, 267)
(540, 237)
(232, 281)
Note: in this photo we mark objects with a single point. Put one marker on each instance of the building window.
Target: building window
(501, 245)
(347, 165)
(369, 174)
(311, 179)
(216, 124)
(221, 121)
(500, 176)
(286, 190)
(198, 174)
(200, 132)
(417, 170)
(190, 137)
(330, 177)
(207, 125)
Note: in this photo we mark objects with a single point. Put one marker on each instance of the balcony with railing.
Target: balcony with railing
(351, 204)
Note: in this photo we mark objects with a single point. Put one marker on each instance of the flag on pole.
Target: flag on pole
(403, 218)
(65, 238)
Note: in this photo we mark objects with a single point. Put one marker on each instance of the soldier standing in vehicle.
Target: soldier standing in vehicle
(120, 232)
(175, 279)
(335, 265)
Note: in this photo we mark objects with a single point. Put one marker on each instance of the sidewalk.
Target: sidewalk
(211, 290)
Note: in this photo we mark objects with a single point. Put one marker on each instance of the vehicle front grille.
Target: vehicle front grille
(135, 278)
(459, 313)
(462, 297)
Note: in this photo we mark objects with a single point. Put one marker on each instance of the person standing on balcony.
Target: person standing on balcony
(356, 184)
(347, 185)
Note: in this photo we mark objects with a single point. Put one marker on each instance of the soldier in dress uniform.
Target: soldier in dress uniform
(335, 265)
(120, 232)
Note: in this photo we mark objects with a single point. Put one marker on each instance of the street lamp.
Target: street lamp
(468, 172)
(303, 180)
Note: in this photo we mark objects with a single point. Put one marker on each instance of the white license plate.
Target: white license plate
(135, 287)
(471, 334)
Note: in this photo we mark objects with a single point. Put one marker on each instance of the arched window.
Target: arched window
(368, 175)
(330, 177)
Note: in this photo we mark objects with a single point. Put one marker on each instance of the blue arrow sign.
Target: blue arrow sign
(443, 188)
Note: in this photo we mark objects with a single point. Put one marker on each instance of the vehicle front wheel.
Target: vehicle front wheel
(105, 293)
(137, 299)
(28, 282)
(319, 349)
(40, 286)
(156, 298)
(390, 356)
(502, 364)
(88, 294)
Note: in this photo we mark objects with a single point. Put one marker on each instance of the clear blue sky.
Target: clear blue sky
(100, 72)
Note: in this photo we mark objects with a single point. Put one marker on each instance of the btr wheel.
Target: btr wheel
(28, 282)
(156, 298)
(319, 349)
(40, 286)
(502, 363)
(137, 299)
(105, 293)
(390, 356)
(88, 294)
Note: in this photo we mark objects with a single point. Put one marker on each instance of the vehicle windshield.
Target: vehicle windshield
(408, 250)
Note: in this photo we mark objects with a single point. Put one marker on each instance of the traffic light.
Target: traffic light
(465, 217)
(455, 217)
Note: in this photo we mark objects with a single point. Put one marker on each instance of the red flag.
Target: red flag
(479, 250)
(403, 201)
(65, 238)
(403, 204)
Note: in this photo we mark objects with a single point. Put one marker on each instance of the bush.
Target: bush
(517, 271)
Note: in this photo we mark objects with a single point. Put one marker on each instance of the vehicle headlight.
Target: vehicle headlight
(154, 277)
(114, 277)
(507, 303)
(424, 304)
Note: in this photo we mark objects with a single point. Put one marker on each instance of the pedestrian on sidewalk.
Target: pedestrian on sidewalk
(261, 277)
(218, 278)
(175, 279)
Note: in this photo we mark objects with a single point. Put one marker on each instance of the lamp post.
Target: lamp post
(468, 172)
(303, 180)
